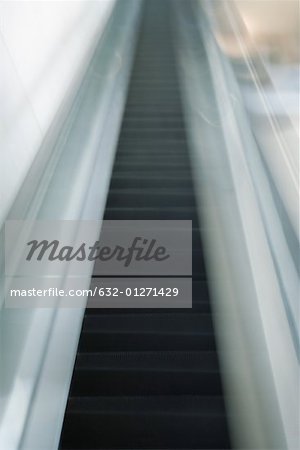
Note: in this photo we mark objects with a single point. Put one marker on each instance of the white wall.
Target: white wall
(44, 46)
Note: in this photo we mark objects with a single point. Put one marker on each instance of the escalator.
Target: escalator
(150, 378)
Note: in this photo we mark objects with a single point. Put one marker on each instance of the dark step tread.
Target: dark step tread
(144, 198)
(187, 192)
(151, 213)
(180, 405)
(146, 323)
(93, 341)
(159, 360)
(158, 133)
(166, 166)
(146, 373)
(146, 422)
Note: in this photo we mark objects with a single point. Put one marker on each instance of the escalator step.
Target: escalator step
(132, 179)
(161, 133)
(146, 373)
(149, 198)
(167, 422)
(148, 323)
(151, 113)
(201, 304)
(148, 213)
(101, 341)
(155, 166)
(152, 123)
(202, 307)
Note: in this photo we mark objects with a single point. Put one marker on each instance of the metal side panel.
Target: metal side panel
(254, 334)
(38, 346)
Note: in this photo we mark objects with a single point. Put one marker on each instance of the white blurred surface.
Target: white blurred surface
(44, 46)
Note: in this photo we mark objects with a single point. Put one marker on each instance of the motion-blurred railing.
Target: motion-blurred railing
(69, 180)
(248, 203)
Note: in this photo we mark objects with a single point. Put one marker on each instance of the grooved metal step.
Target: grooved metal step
(150, 198)
(151, 213)
(132, 179)
(146, 373)
(167, 422)
(101, 341)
